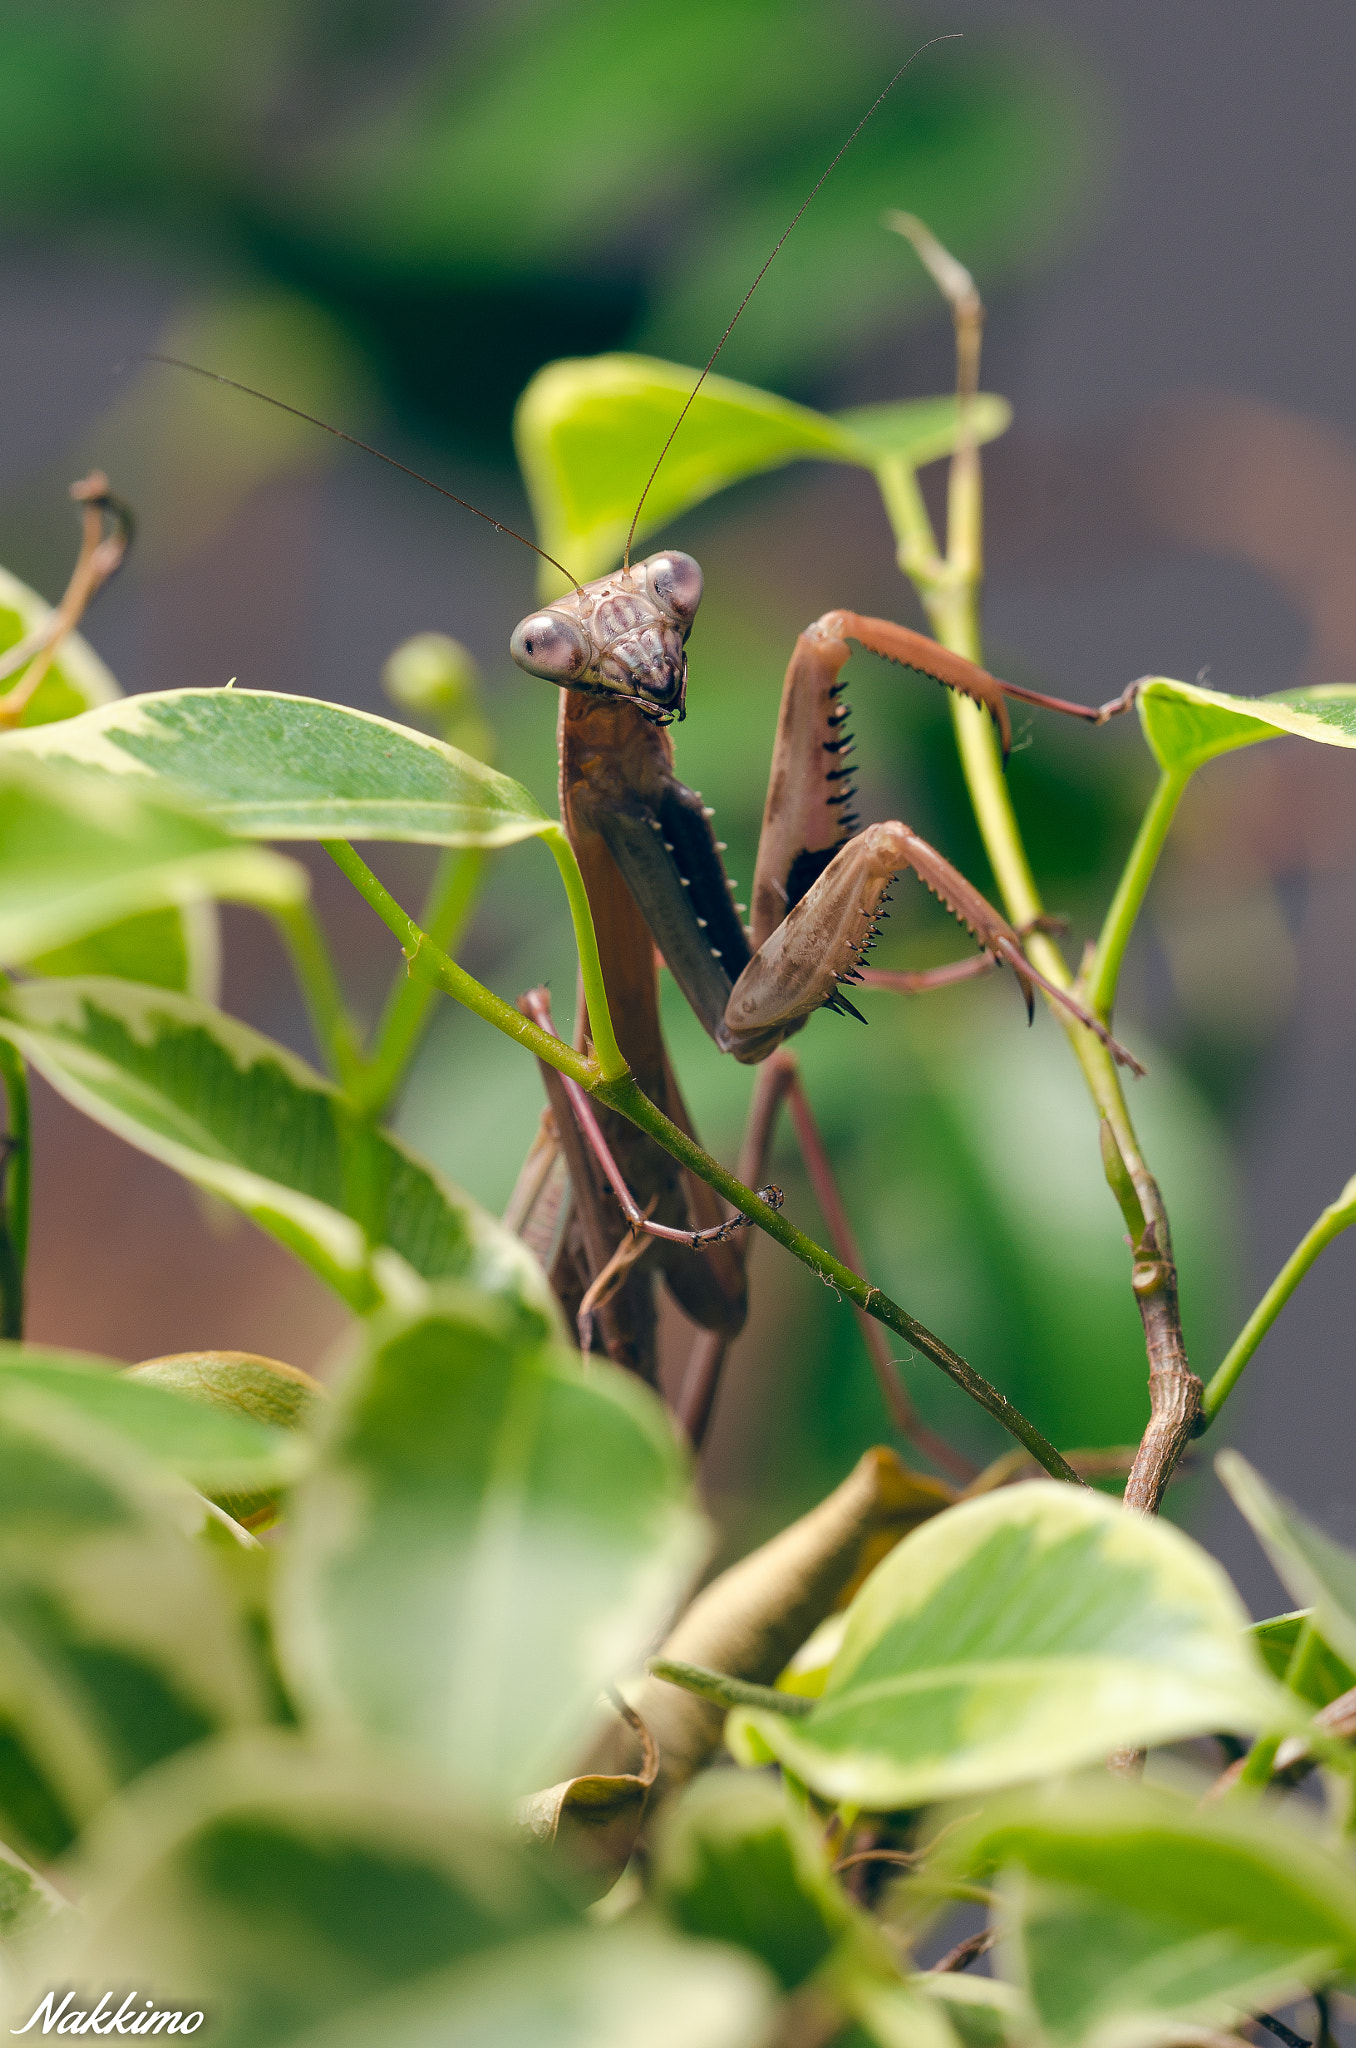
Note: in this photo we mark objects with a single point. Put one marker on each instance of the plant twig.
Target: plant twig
(723, 1691)
(965, 1952)
(627, 1097)
(1103, 976)
(949, 588)
(623, 1093)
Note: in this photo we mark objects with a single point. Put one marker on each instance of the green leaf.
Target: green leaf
(237, 1383)
(1132, 1913)
(27, 1901)
(917, 431)
(118, 1645)
(237, 1114)
(264, 766)
(242, 1385)
(214, 1448)
(615, 1988)
(735, 1863)
(1026, 1632)
(177, 949)
(983, 2011)
(589, 431)
(76, 680)
(1325, 1675)
(174, 948)
(275, 1888)
(1186, 725)
(489, 1536)
(1308, 1564)
(79, 854)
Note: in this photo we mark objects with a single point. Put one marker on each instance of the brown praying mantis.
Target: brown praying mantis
(617, 648)
(652, 866)
(599, 1200)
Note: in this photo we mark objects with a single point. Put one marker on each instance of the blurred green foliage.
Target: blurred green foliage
(425, 203)
(473, 190)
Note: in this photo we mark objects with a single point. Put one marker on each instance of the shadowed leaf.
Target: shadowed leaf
(79, 854)
(1132, 1913)
(118, 1645)
(242, 1116)
(274, 1889)
(1309, 1564)
(215, 1449)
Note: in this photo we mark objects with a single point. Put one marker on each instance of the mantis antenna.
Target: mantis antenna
(953, 36)
(215, 377)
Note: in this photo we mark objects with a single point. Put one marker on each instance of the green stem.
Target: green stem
(952, 602)
(1105, 972)
(325, 1004)
(729, 1692)
(1260, 1762)
(431, 964)
(621, 1092)
(908, 515)
(444, 916)
(16, 1181)
(1330, 1224)
(627, 1097)
(607, 1052)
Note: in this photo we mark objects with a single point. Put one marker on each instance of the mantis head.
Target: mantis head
(622, 637)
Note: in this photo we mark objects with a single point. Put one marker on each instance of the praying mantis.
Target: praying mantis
(600, 1201)
(617, 649)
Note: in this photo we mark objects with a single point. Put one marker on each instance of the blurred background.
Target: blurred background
(393, 214)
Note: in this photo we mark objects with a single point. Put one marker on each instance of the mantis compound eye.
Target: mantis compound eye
(550, 644)
(675, 581)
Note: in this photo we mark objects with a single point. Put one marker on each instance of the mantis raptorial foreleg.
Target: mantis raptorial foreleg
(819, 887)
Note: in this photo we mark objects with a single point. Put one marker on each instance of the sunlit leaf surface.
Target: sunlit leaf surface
(489, 1536)
(590, 430)
(1187, 725)
(1029, 1631)
(265, 766)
